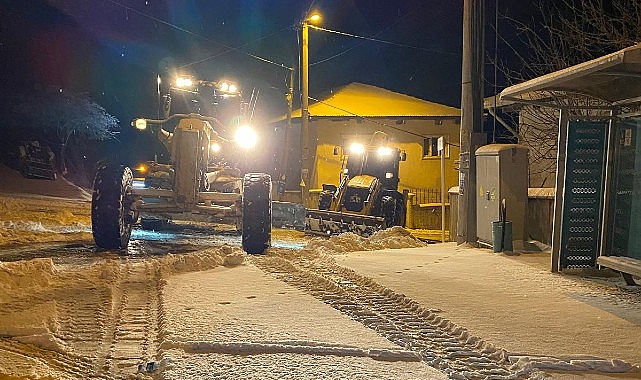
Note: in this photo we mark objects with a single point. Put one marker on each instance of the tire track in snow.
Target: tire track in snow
(440, 343)
(81, 317)
(132, 332)
(53, 362)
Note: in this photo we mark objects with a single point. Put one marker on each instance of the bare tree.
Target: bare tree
(563, 33)
(65, 121)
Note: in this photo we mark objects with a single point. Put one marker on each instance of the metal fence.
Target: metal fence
(423, 196)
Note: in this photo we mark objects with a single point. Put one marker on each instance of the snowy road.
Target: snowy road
(188, 303)
(73, 312)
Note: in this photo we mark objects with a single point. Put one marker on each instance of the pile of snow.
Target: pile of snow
(24, 277)
(395, 237)
(201, 260)
(29, 219)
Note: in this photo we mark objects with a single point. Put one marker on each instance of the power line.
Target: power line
(383, 41)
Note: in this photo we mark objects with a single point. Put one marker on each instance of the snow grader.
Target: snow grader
(198, 182)
(367, 198)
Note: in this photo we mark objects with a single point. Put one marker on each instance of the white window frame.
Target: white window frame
(430, 151)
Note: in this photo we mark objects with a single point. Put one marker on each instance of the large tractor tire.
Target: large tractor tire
(257, 213)
(111, 215)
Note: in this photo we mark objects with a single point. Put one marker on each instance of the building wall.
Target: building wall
(417, 172)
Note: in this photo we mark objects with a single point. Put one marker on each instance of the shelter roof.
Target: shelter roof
(614, 78)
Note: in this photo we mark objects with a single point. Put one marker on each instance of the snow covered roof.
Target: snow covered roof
(615, 78)
(358, 99)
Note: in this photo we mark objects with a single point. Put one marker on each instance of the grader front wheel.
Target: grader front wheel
(111, 216)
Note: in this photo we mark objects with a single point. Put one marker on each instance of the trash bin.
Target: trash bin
(498, 234)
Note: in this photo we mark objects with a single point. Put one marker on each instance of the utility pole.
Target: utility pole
(284, 164)
(471, 116)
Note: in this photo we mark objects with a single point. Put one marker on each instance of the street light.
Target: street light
(304, 170)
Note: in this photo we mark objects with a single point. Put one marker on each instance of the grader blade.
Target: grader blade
(288, 215)
(327, 223)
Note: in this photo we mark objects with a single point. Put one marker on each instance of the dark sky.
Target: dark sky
(114, 49)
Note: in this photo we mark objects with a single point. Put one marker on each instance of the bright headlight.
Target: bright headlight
(384, 151)
(140, 124)
(357, 148)
(227, 88)
(214, 147)
(182, 82)
(246, 137)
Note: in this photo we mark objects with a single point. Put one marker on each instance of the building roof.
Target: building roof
(362, 100)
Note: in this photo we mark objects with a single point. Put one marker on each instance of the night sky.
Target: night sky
(114, 49)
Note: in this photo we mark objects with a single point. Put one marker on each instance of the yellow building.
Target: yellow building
(354, 112)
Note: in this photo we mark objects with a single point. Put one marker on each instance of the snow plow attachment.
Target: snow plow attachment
(288, 215)
(324, 222)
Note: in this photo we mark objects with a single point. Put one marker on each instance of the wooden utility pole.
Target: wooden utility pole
(284, 164)
(471, 116)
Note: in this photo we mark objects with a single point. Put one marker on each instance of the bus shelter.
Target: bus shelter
(597, 208)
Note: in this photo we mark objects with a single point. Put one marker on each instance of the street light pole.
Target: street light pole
(304, 117)
(305, 169)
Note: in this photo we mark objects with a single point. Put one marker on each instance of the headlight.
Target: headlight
(357, 148)
(228, 88)
(182, 82)
(389, 175)
(141, 124)
(246, 137)
(214, 147)
(384, 151)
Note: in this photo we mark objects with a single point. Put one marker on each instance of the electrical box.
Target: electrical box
(501, 173)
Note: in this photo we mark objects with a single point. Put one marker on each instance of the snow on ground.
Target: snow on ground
(395, 237)
(191, 314)
(218, 316)
(246, 324)
(214, 314)
(544, 320)
(28, 219)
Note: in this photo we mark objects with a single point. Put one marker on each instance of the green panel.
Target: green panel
(583, 194)
(626, 231)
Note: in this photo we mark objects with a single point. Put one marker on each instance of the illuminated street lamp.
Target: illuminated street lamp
(304, 180)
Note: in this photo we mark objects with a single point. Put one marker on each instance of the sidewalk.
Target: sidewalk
(241, 322)
(514, 302)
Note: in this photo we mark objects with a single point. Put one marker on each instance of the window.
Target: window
(430, 147)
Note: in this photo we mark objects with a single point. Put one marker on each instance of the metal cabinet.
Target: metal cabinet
(501, 173)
